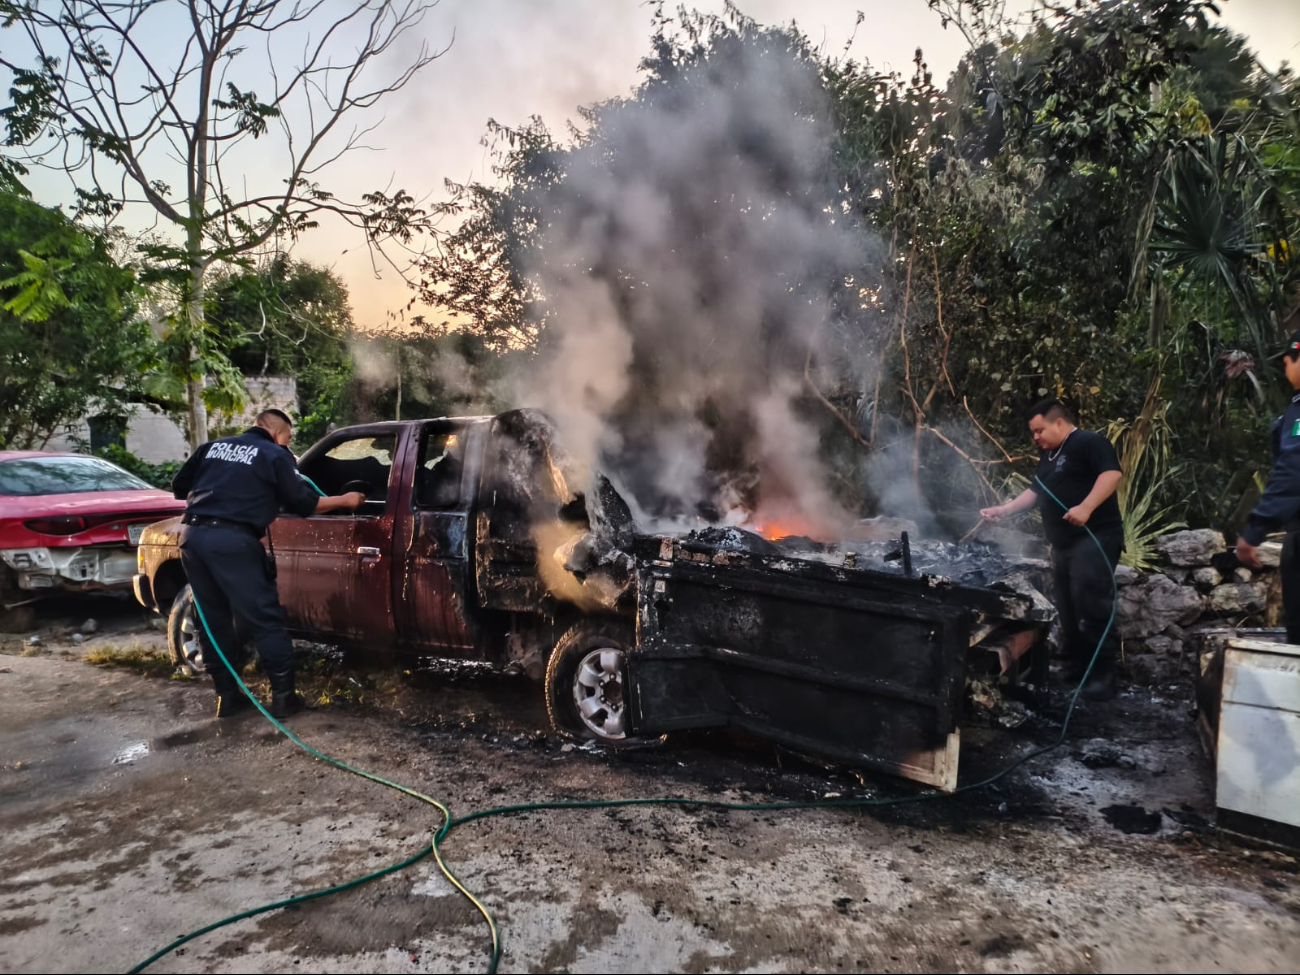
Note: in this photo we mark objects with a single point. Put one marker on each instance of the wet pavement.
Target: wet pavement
(128, 816)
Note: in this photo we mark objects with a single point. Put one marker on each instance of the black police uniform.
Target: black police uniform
(1084, 580)
(1279, 510)
(235, 487)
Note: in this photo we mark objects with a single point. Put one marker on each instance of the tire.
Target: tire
(587, 683)
(183, 634)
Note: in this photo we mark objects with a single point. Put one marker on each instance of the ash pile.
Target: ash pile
(1011, 562)
(978, 563)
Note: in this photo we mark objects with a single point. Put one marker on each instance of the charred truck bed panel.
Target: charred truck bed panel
(857, 666)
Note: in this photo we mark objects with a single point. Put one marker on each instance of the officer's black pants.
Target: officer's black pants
(1290, 571)
(228, 573)
(1085, 596)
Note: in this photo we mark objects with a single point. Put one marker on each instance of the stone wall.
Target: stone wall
(1197, 585)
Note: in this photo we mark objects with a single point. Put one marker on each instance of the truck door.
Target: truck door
(334, 569)
(434, 609)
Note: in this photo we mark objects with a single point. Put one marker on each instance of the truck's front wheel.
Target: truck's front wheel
(183, 634)
(587, 683)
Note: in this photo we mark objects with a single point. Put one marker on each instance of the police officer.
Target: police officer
(1279, 508)
(235, 487)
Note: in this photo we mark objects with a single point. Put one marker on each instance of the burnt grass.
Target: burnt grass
(442, 702)
(143, 660)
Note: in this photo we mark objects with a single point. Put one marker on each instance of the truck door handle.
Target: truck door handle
(368, 551)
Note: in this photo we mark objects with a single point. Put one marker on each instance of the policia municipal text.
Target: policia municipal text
(235, 488)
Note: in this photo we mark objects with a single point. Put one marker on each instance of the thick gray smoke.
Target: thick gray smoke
(697, 254)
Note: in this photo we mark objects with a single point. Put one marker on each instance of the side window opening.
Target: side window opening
(439, 470)
(358, 464)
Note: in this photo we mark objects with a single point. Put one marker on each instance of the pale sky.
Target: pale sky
(511, 59)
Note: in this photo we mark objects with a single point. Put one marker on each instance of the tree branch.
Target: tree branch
(974, 463)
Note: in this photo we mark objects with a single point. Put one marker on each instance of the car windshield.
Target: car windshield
(31, 476)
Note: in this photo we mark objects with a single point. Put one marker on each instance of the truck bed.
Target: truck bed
(860, 666)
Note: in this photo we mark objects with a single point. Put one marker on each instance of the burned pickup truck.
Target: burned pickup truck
(474, 544)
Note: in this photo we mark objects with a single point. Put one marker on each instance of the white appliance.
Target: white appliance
(1258, 757)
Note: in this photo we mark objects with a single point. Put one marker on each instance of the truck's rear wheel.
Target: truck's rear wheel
(587, 683)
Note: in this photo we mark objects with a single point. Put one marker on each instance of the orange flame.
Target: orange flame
(776, 529)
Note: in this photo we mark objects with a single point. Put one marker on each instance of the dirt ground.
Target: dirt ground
(128, 816)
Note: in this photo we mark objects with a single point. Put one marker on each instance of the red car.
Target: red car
(70, 523)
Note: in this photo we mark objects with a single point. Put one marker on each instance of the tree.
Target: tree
(476, 273)
(174, 134)
(289, 318)
(69, 335)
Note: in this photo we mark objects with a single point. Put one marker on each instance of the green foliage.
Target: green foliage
(1096, 204)
(123, 144)
(70, 336)
(477, 273)
(1207, 226)
(289, 318)
(39, 294)
(1151, 475)
(186, 353)
(159, 475)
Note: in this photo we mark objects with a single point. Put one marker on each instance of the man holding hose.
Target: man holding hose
(1079, 467)
(235, 488)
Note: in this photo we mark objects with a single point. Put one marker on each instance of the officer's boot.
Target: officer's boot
(285, 701)
(231, 700)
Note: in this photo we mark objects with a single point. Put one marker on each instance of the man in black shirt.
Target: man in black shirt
(235, 488)
(1081, 469)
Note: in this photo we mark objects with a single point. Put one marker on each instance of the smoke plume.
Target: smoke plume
(696, 260)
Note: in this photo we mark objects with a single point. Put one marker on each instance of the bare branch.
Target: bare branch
(126, 110)
(975, 464)
(992, 439)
